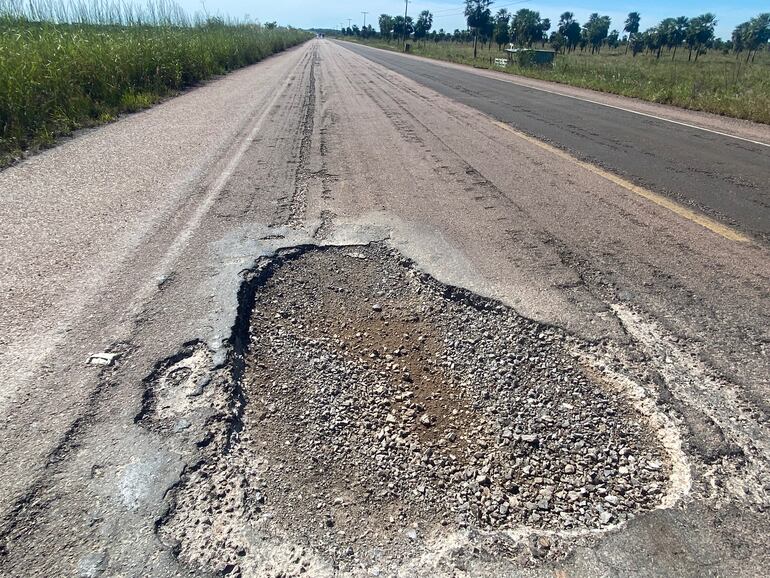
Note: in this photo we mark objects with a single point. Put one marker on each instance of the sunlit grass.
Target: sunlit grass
(68, 65)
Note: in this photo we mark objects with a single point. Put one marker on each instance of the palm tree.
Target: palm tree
(680, 30)
(569, 28)
(700, 32)
(477, 15)
(632, 26)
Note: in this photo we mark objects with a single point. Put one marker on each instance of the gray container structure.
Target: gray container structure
(531, 56)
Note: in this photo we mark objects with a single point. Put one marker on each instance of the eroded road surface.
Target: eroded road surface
(327, 316)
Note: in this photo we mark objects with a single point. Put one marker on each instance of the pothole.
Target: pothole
(384, 410)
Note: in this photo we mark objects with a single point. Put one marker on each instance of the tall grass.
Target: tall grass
(95, 12)
(68, 65)
(718, 83)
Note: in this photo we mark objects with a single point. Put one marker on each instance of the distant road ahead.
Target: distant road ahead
(727, 178)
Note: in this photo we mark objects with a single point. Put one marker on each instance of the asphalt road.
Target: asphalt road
(145, 238)
(725, 177)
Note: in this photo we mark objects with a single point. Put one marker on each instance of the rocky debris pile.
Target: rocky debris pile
(382, 406)
(369, 372)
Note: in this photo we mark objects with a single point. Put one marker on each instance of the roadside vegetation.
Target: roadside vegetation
(65, 66)
(680, 61)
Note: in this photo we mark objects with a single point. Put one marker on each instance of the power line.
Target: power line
(453, 9)
(462, 13)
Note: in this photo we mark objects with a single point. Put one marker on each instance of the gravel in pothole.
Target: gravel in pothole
(382, 406)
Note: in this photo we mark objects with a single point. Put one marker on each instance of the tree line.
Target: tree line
(526, 28)
(697, 35)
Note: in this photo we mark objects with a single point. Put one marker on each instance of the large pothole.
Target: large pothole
(383, 409)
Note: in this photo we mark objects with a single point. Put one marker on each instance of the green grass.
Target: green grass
(717, 83)
(61, 71)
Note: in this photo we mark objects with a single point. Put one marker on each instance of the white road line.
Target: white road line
(640, 113)
(557, 93)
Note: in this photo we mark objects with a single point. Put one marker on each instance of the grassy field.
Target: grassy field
(61, 71)
(717, 83)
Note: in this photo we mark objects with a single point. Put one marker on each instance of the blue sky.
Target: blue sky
(448, 13)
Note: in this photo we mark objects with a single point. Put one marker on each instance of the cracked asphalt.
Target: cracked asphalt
(146, 238)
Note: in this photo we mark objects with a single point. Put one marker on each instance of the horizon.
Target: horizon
(448, 14)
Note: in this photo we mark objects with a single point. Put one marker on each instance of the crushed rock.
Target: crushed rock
(382, 408)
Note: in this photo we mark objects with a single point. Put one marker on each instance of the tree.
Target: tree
(401, 31)
(613, 39)
(760, 32)
(637, 42)
(700, 32)
(423, 25)
(657, 37)
(569, 28)
(487, 31)
(478, 17)
(632, 26)
(583, 38)
(679, 32)
(752, 35)
(667, 34)
(526, 27)
(596, 30)
(545, 26)
(739, 37)
(632, 23)
(557, 41)
(386, 25)
(502, 28)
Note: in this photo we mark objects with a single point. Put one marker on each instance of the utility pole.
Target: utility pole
(364, 13)
(349, 20)
(406, 28)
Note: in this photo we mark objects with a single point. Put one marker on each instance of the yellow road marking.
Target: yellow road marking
(672, 206)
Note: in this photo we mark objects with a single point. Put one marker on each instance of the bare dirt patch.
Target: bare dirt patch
(377, 410)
